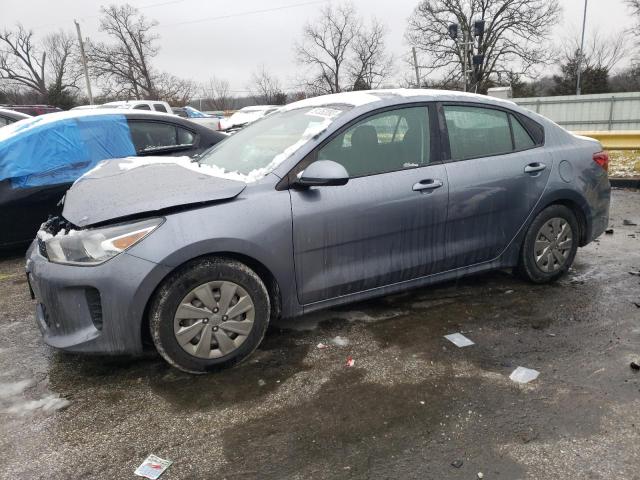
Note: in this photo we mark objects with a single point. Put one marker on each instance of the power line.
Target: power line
(141, 7)
(243, 14)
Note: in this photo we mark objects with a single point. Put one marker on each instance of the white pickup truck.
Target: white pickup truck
(153, 105)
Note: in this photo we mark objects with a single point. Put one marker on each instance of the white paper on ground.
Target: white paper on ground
(524, 375)
(152, 467)
(459, 340)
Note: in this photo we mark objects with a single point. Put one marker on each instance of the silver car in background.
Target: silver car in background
(330, 200)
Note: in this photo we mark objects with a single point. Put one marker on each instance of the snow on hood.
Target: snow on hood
(131, 163)
(131, 186)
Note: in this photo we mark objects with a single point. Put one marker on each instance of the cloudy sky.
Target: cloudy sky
(230, 39)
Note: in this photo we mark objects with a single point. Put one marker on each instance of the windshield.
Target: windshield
(256, 150)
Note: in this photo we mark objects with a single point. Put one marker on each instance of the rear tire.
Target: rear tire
(550, 245)
(210, 314)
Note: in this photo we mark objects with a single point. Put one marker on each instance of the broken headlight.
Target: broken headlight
(97, 245)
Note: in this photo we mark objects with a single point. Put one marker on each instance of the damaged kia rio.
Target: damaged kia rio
(329, 200)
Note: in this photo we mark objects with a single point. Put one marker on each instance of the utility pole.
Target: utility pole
(84, 62)
(584, 23)
(415, 64)
(464, 60)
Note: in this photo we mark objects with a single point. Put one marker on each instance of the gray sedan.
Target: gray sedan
(327, 201)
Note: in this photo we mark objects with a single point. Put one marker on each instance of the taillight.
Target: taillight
(602, 159)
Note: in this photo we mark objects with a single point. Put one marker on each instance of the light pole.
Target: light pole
(466, 47)
(584, 23)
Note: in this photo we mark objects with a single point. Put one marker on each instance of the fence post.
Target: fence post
(537, 106)
(613, 101)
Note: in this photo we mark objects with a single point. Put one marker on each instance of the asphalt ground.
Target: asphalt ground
(411, 405)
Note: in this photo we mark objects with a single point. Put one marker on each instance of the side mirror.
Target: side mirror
(323, 173)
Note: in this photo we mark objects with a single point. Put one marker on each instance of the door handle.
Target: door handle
(427, 184)
(534, 167)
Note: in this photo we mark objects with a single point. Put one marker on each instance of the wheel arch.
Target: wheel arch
(578, 206)
(265, 274)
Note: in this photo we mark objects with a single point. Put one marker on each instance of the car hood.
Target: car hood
(133, 186)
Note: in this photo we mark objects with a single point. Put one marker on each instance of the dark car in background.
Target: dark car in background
(42, 156)
(32, 110)
(10, 116)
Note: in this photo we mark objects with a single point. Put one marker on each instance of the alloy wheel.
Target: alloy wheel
(553, 245)
(214, 319)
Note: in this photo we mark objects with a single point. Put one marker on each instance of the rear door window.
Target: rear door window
(477, 132)
(149, 137)
(142, 106)
(159, 107)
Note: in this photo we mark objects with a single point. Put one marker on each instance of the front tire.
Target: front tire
(210, 314)
(550, 245)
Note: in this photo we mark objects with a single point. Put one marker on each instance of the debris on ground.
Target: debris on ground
(340, 341)
(609, 231)
(508, 292)
(635, 365)
(152, 467)
(457, 463)
(636, 304)
(480, 475)
(524, 375)
(629, 223)
(261, 383)
(637, 274)
(459, 340)
(350, 362)
(322, 346)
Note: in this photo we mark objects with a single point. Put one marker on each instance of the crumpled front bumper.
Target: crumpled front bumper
(92, 309)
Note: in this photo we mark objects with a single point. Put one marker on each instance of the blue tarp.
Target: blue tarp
(60, 151)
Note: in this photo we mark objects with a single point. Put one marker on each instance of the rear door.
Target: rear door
(497, 169)
(386, 225)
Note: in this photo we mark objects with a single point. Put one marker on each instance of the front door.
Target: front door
(386, 225)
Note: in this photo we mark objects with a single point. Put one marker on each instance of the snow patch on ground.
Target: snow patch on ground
(340, 341)
(14, 402)
(48, 403)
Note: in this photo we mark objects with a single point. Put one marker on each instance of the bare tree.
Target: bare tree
(325, 47)
(514, 39)
(124, 65)
(63, 64)
(599, 51)
(48, 69)
(217, 94)
(634, 5)
(22, 63)
(265, 88)
(174, 90)
(370, 65)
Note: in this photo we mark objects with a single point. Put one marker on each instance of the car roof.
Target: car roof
(400, 95)
(257, 108)
(26, 123)
(133, 102)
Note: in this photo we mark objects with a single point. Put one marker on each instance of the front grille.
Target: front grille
(95, 306)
